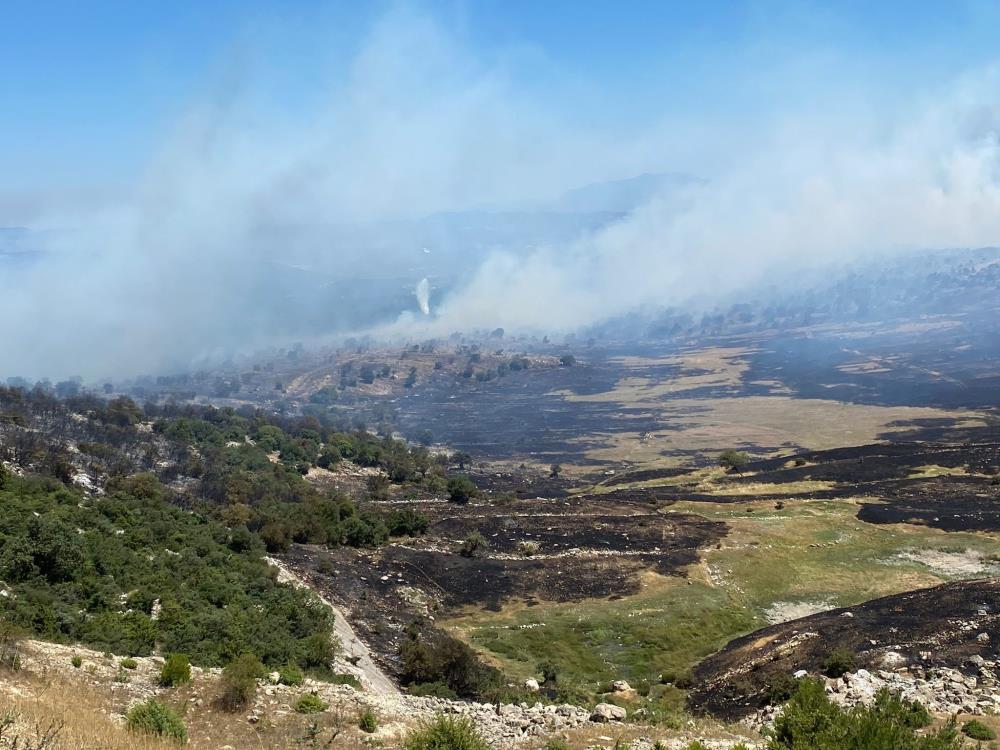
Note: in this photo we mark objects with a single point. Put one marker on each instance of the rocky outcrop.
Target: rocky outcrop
(940, 689)
(929, 635)
(608, 712)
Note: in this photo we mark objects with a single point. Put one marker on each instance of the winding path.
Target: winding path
(372, 677)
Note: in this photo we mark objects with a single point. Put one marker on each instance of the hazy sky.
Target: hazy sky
(89, 91)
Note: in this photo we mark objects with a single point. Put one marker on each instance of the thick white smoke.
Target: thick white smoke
(176, 270)
(929, 179)
(423, 295)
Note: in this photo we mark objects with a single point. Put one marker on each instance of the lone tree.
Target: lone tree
(461, 489)
(555, 470)
(462, 459)
(734, 461)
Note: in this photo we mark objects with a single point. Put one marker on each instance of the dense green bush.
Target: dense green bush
(811, 721)
(461, 489)
(368, 721)
(432, 656)
(87, 571)
(215, 602)
(406, 522)
(780, 687)
(838, 663)
(446, 733)
(152, 717)
(976, 730)
(175, 670)
(310, 703)
(290, 675)
(733, 460)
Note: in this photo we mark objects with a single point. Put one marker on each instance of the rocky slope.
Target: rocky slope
(938, 645)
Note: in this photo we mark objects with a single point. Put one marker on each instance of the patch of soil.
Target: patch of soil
(784, 611)
(953, 564)
(942, 626)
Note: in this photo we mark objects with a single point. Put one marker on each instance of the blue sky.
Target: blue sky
(89, 90)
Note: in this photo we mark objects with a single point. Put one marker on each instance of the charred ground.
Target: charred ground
(939, 626)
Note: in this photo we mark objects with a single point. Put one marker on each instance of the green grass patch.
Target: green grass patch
(807, 552)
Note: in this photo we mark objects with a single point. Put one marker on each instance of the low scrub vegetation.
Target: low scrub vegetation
(90, 572)
(435, 663)
(838, 663)
(153, 717)
(976, 730)
(446, 733)
(290, 675)
(176, 670)
(310, 703)
(811, 721)
(368, 721)
(239, 682)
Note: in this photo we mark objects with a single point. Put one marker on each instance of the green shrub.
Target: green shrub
(76, 661)
(461, 489)
(367, 721)
(290, 675)
(128, 663)
(310, 703)
(434, 656)
(446, 733)
(175, 671)
(342, 678)
(733, 460)
(779, 688)
(838, 663)
(239, 682)
(976, 730)
(406, 522)
(152, 717)
(811, 721)
(556, 743)
(915, 714)
(474, 544)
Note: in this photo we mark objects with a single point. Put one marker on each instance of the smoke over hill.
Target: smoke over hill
(421, 160)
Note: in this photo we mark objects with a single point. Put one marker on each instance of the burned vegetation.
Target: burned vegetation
(953, 625)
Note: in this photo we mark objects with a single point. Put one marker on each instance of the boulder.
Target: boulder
(531, 684)
(604, 712)
(620, 686)
(893, 660)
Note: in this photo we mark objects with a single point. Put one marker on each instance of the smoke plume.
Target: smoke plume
(209, 252)
(423, 294)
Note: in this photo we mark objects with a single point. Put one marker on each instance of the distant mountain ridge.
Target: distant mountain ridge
(621, 196)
